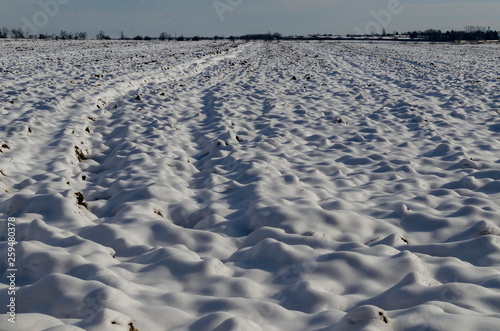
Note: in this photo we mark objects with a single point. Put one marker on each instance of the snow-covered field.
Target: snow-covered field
(253, 186)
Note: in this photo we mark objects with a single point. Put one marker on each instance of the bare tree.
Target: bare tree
(475, 28)
(64, 35)
(164, 36)
(81, 35)
(102, 36)
(4, 33)
(17, 33)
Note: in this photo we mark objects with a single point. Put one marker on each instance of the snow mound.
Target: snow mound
(249, 186)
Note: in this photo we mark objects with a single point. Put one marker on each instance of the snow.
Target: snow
(253, 186)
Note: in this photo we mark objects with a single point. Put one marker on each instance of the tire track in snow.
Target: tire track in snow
(61, 144)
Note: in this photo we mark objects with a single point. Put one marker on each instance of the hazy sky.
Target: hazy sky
(237, 17)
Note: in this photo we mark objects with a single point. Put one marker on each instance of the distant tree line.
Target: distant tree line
(20, 34)
(262, 36)
(64, 35)
(471, 33)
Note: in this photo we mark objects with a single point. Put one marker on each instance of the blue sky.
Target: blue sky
(237, 17)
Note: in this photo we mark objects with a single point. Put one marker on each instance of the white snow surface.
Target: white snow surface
(250, 186)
